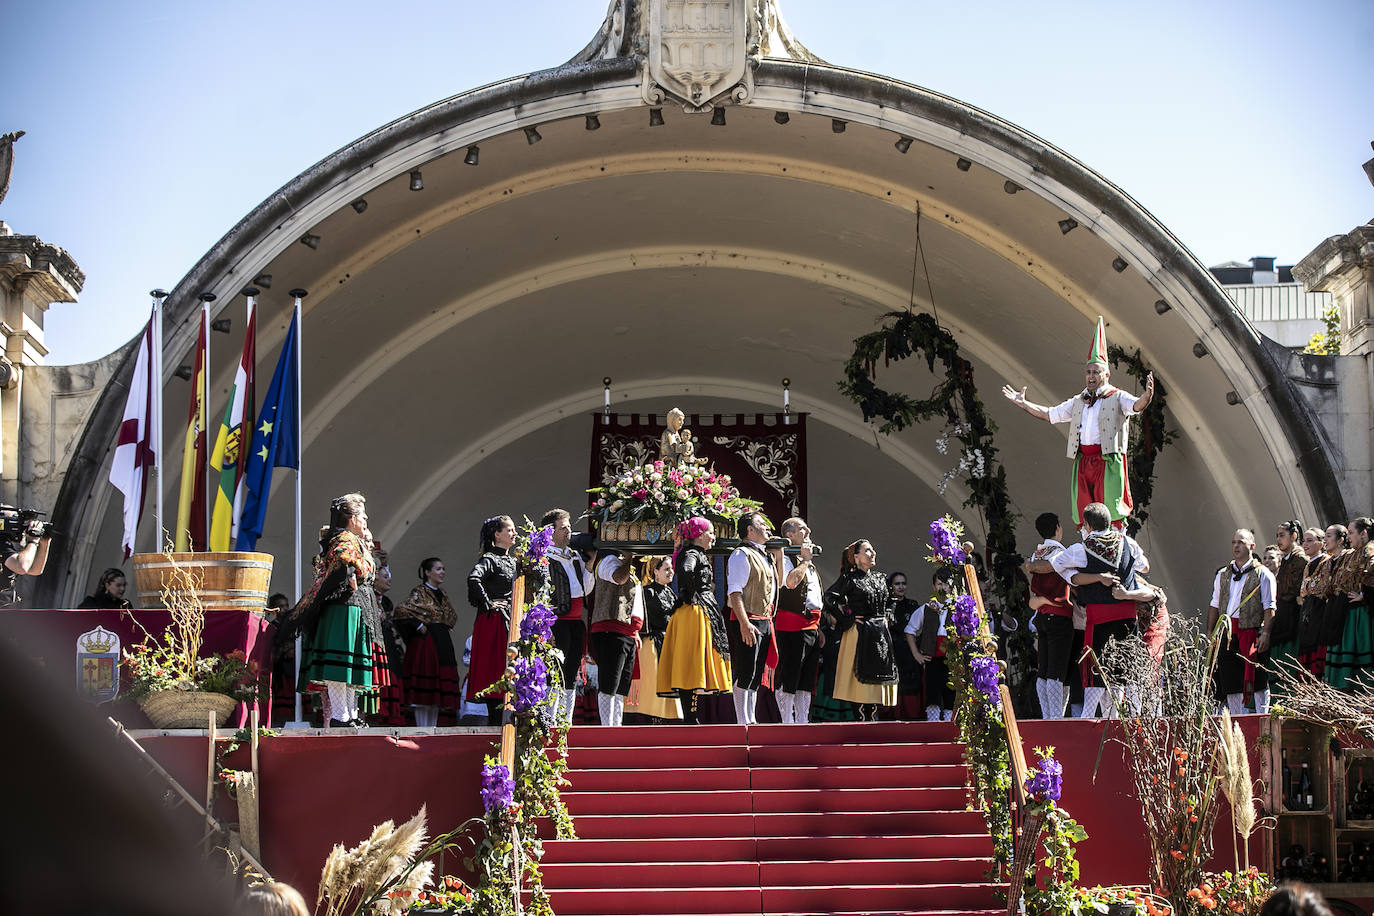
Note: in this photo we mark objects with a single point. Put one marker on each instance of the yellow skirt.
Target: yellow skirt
(644, 698)
(688, 662)
(847, 687)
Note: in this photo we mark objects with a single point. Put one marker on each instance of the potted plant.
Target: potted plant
(175, 687)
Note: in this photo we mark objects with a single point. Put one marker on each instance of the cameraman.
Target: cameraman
(26, 557)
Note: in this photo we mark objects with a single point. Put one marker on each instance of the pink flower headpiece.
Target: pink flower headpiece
(693, 528)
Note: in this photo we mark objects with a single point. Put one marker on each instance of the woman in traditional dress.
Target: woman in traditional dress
(384, 706)
(340, 619)
(425, 621)
(1316, 588)
(857, 597)
(696, 656)
(655, 578)
(490, 585)
(1354, 653)
(1283, 642)
(910, 686)
(109, 592)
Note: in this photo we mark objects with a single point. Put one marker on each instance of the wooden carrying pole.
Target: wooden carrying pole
(517, 611)
(1017, 752)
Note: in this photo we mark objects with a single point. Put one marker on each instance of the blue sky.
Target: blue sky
(153, 127)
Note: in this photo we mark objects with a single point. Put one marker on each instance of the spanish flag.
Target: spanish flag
(228, 457)
(192, 527)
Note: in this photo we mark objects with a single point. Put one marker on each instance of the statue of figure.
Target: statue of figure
(670, 445)
(7, 159)
(689, 451)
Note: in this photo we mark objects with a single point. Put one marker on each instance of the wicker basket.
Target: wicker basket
(1023, 858)
(650, 531)
(187, 708)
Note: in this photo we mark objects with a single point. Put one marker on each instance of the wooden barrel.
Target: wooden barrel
(223, 581)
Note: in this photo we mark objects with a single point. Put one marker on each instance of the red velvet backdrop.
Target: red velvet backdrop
(765, 458)
(50, 637)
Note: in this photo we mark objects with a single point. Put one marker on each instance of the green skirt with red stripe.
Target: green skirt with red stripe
(1099, 478)
(340, 649)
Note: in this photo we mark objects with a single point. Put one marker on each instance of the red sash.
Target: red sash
(1245, 648)
(1102, 613)
(575, 611)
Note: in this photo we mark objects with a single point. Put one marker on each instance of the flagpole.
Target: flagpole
(156, 381)
(211, 480)
(299, 294)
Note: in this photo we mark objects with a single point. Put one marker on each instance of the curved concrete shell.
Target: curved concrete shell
(456, 337)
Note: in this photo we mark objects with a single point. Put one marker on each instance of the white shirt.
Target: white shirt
(811, 598)
(918, 620)
(1235, 593)
(1074, 558)
(1088, 431)
(578, 587)
(606, 569)
(737, 573)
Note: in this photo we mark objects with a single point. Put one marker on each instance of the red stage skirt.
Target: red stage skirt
(490, 636)
(388, 710)
(428, 680)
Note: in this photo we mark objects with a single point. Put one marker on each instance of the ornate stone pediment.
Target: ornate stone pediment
(697, 52)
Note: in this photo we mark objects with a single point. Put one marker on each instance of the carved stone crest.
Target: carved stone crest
(698, 51)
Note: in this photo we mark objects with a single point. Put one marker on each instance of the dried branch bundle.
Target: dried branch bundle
(1300, 695)
(1173, 748)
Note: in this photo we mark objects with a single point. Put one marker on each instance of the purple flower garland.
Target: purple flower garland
(984, 671)
(538, 623)
(531, 683)
(944, 541)
(1046, 781)
(964, 616)
(498, 789)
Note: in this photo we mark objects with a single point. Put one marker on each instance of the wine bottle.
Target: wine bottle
(1305, 797)
(1287, 782)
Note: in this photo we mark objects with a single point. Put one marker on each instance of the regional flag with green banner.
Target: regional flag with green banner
(227, 460)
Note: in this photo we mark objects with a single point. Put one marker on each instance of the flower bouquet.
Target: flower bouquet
(646, 503)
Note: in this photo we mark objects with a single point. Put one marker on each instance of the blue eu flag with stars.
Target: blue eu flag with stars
(274, 442)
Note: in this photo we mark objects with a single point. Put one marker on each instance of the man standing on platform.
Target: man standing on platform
(797, 627)
(751, 584)
(1103, 567)
(571, 582)
(1053, 619)
(1246, 588)
(1099, 420)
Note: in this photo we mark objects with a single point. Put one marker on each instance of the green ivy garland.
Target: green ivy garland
(1151, 439)
(903, 336)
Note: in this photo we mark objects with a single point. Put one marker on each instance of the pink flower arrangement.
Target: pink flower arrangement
(669, 494)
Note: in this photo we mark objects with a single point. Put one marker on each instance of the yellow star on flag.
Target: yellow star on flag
(263, 454)
(266, 428)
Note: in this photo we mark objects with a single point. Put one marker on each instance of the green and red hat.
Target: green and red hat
(1098, 353)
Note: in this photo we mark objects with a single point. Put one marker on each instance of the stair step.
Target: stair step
(657, 901)
(626, 875)
(865, 872)
(856, 777)
(655, 758)
(790, 848)
(643, 736)
(823, 733)
(877, 897)
(767, 849)
(676, 779)
(809, 824)
(806, 755)
(766, 801)
(714, 849)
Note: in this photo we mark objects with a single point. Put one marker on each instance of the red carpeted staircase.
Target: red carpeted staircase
(774, 819)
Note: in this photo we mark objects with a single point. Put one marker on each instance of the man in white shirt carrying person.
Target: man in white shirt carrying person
(751, 585)
(1099, 421)
(1103, 567)
(571, 583)
(1246, 588)
(797, 626)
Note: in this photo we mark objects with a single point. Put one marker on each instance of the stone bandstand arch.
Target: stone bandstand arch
(455, 337)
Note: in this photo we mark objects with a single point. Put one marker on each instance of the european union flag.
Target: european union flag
(274, 442)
